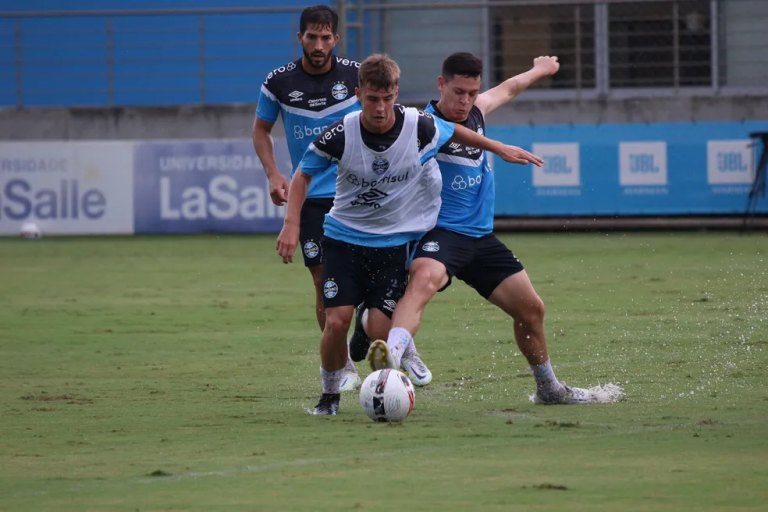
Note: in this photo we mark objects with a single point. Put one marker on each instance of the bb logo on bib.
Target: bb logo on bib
(311, 249)
(380, 165)
(330, 289)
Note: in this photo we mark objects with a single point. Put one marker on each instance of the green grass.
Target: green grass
(195, 359)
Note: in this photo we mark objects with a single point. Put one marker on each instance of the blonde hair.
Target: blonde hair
(379, 72)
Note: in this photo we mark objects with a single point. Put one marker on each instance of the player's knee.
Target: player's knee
(337, 322)
(427, 281)
(533, 313)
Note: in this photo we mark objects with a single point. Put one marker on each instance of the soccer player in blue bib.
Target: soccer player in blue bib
(310, 93)
(463, 245)
(387, 196)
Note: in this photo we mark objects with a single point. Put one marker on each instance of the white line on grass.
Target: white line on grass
(280, 465)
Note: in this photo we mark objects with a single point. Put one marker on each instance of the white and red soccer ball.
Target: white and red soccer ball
(31, 230)
(387, 396)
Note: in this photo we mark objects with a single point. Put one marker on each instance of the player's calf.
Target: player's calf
(334, 356)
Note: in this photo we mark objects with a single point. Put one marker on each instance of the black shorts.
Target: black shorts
(353, 274)
(483, 263)
(311, 229)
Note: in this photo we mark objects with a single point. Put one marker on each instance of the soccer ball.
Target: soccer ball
(387, 395)
(30, 230)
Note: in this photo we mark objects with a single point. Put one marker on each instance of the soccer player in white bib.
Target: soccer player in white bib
(463, 245)
(387, 196)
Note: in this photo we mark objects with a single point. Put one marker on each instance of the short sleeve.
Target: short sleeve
(268, 108)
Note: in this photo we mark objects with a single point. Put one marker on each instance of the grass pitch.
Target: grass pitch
(176, 374)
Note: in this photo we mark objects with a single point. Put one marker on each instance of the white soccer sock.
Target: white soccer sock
(545, 378)
(411, 349)
(331, 380)
(398, 340)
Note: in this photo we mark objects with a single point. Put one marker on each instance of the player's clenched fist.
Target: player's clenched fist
(547, 65)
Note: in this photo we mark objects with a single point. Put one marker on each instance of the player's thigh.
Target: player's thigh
(311, 229)
(317, 277)
(452, 250)
(517, 297)
(387, 271)
(491, 265)
(344, 281)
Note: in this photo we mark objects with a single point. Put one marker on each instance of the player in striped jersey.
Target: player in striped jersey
(310, 93)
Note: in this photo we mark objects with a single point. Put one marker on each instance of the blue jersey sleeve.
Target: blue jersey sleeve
(445, 130)
(268, 108)
(315, 161)
(438, 133)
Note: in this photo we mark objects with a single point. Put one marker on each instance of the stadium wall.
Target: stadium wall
(217, 184)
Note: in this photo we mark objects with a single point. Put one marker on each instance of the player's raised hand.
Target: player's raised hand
(287, 241)
(278, 190)
(546, 65)
(515, 155)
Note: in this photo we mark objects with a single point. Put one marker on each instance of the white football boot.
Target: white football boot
(350, 380)
(598, 394)
(415, 368)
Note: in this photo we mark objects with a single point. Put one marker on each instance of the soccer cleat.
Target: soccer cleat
(380, 357)
(568, 395)
(350, 381)
(328, 405)
(415, 368)
(359, 342)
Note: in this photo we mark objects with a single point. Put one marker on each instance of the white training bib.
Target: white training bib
(386, 192)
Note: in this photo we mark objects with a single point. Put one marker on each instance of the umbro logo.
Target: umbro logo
(296, 96)
(372, 195)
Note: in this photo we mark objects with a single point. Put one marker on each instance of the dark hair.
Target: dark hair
(320, 15)
(379, 72)
(462, 63)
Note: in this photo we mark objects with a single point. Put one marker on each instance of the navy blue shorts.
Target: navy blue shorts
(354, 273)
(311, 229)
(483, 263)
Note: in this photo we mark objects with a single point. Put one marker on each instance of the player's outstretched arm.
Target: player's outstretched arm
(265, 150)
(289, 235)
(511, 154)
(492, 99)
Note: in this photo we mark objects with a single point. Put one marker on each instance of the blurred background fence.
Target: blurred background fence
(180, 52)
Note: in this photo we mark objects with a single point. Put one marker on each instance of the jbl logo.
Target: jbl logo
(556, 164)
(643, 163)
(731, 162)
